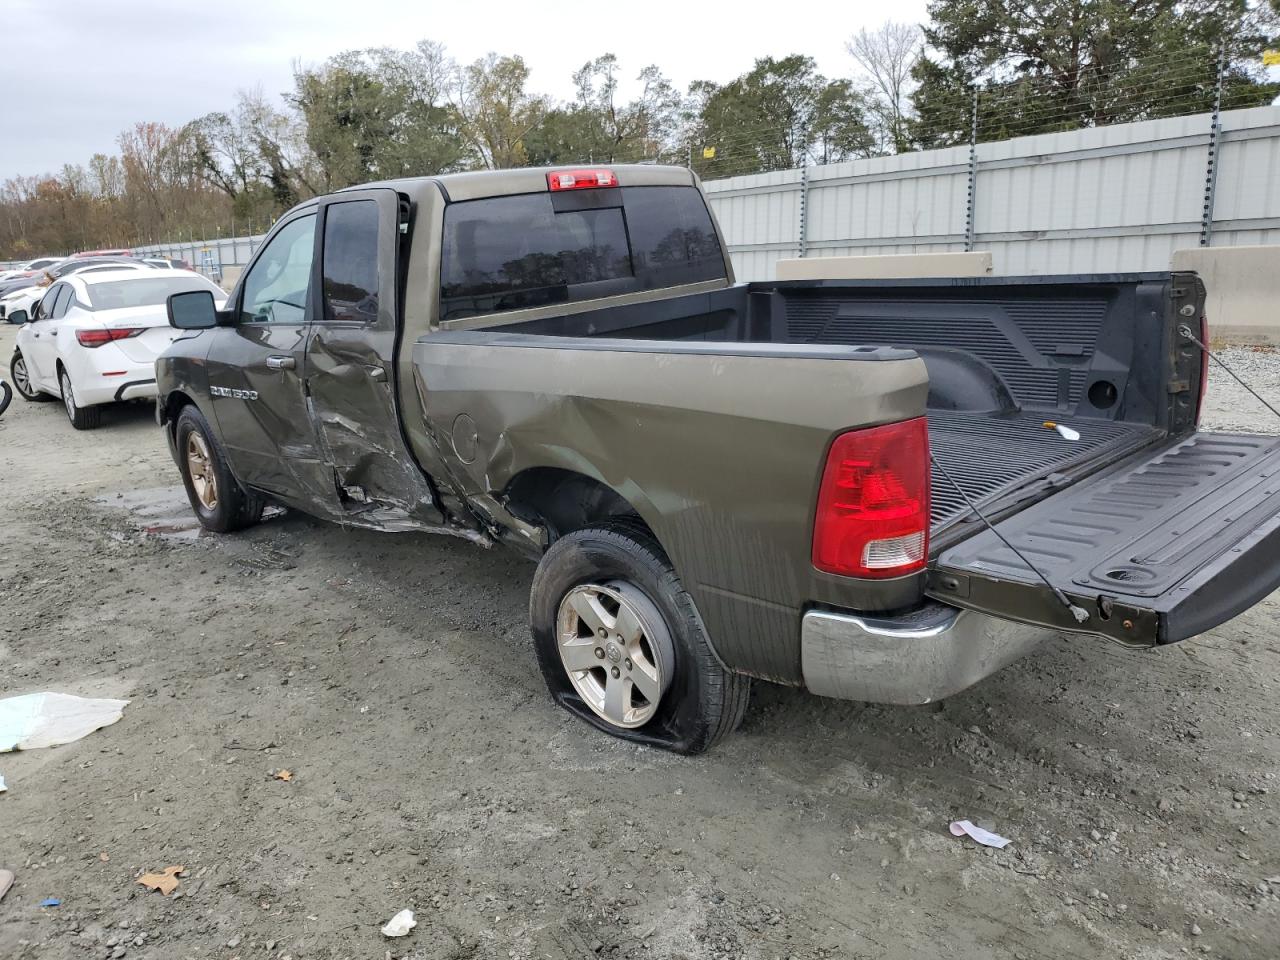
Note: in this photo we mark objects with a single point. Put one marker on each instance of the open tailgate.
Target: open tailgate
(1162, 547)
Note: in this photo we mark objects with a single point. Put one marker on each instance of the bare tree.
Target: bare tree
(886, 57)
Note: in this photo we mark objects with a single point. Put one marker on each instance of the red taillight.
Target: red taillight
(1204, 364)
(96, 338)
(873, 506)
(581, 179)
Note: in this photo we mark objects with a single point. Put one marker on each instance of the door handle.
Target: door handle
(280, 363)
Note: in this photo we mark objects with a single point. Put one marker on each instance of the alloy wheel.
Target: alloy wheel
(21, 379)
(68, 397)
(617, 651)
(200, 469)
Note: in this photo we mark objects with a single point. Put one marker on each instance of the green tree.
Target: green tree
(780, 114)
(373, 114)
(495, 111)
(1049, 65)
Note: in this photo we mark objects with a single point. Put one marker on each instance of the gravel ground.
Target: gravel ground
(392, 675)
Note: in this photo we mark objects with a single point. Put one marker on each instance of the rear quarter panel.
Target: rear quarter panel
(720, 454)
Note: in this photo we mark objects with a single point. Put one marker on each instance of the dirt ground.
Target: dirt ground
(393, 676)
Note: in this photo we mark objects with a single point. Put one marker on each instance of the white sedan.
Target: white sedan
(95, 337)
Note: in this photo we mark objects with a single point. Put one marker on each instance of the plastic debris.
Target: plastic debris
(166, 881)
(6, 881)
(47, 719)
(285, 775)
(50, 902)
(400, 924)
(960, 828)
(1065, 432)
(3, 788)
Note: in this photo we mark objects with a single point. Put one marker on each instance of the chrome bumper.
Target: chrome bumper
(921, 657)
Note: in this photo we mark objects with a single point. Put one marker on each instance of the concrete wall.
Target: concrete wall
(1243, 286)
(890, 267)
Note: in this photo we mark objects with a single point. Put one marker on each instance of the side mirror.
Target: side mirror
(19, 317)
(192, 310)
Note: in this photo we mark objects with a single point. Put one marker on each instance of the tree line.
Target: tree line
(1001, 67)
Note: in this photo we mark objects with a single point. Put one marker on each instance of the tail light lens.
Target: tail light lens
(580, 179)
(873, 505)
(96, 338)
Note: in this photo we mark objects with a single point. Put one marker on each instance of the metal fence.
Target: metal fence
(1122, 197)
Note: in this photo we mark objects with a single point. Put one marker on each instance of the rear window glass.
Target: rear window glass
(530, 250)
(351, 261)
(143, 292)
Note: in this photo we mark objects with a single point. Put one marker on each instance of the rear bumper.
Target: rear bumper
(924, 656)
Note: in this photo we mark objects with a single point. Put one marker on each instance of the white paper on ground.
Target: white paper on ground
(3, 788)
(985, 837)
(47, 719)
(400, 924)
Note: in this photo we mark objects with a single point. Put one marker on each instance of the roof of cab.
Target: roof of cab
(479, 184)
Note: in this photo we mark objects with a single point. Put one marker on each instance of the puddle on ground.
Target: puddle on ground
(164, 512)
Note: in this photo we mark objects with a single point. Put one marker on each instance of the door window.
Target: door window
(51, 302)
(275, 290)
(350, 266)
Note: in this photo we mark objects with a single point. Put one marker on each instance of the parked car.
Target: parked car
(30, 268)
(117, 252)
(66, 267)
(166, 263)
(95, 336)
(723, 481)
(27, 297)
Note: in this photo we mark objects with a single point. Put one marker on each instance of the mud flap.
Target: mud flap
(1160, 548)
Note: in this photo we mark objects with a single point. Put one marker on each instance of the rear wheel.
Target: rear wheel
(22, 379)
(621, 645)
(82, 418)
(6, 396)
(217, 498)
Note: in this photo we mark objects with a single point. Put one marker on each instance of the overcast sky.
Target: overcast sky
(98, 67)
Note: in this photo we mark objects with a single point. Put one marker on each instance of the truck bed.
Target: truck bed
(989, 455)
(1005, 354)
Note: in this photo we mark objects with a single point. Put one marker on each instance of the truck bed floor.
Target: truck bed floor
(990, 453)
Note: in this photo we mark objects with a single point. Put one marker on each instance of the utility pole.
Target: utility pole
(969, 228)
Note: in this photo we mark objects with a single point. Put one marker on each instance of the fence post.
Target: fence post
(969, 229)
(1212, 161)
(804, 203)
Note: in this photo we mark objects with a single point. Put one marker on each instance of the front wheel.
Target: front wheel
(621, 644)
(22, 379)
(219, 502)
(82, 418)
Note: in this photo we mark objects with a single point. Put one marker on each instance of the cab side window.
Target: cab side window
(350, 265)
(276, 288)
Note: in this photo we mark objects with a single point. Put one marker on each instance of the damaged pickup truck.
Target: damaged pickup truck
(858, 487)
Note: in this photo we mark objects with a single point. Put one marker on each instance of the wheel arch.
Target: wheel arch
(564, 500)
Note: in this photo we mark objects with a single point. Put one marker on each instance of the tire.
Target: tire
(218, 500)
(82, 418)
(601, 569)
(22, 382)
(6, 396)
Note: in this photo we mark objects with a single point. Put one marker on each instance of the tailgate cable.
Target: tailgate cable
(1079, 613)
(1186, 333)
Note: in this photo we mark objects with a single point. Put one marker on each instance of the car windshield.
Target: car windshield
(143, 292)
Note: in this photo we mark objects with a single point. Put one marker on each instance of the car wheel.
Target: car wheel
(621, 644)
(22, 380)
(217, 498)
(82, 418)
